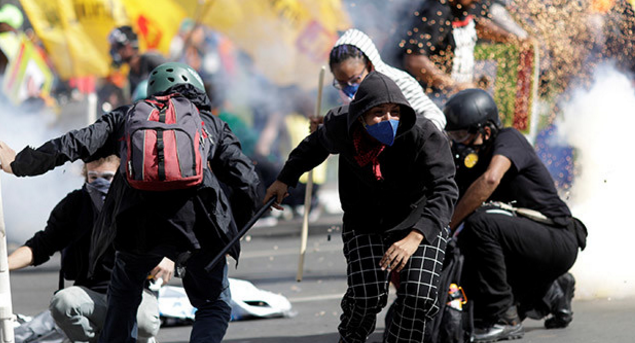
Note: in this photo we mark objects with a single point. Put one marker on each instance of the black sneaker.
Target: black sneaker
(508, 326)
(561, 314)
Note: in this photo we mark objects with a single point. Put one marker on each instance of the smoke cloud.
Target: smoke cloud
(598, 122)
(27, 202)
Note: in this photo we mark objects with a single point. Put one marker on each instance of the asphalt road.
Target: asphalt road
(269, 261)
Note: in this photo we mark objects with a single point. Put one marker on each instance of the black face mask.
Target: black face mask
(467, 157)
(471, 162)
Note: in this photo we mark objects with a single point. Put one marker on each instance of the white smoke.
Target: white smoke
(599, 124)
(28, 201)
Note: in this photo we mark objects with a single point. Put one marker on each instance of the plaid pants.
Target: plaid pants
(367, 291)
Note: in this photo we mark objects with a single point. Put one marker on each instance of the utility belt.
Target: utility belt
(520, 211)
(572, 224)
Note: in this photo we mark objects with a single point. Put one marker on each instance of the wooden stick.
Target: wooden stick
(309, 189)
(6, 307)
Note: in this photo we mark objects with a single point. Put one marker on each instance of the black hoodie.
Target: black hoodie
(418, 185)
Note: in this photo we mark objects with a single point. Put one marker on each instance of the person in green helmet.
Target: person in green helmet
(189, 226)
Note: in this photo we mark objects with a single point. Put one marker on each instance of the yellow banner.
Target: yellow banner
(286, 39)
(156, 22)
(75, 32)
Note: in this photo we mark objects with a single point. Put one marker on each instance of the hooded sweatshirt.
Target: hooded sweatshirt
(410, 88)
(417, 188)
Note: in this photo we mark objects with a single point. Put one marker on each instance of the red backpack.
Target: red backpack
(166, 144)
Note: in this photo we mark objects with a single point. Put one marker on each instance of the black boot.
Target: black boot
(561, 314)
(508, 326)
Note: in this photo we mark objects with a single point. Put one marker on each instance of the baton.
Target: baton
(240, 234)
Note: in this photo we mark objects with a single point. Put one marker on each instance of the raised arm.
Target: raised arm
(97, 140)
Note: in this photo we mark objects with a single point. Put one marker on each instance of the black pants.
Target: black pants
(511, 260)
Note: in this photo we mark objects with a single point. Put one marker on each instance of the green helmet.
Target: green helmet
(173, 73)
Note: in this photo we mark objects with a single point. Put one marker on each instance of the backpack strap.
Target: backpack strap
(162, 108)
(161, 153)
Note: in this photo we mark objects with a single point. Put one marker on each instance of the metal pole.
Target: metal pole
(6, 307)
(92, 107)
(309, 190)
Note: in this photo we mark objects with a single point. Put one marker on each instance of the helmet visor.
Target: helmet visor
(459, 136)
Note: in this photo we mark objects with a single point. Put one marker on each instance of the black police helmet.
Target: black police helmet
(470, 109)
(122, 35)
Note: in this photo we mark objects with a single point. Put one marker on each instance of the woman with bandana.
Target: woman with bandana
(397, 190)
(80, 310)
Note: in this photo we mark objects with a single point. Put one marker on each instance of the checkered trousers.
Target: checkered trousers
(367, 291)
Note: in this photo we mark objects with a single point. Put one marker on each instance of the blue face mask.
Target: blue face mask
(350, 90)
(384, 131)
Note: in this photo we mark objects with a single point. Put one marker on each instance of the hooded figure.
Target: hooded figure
(397, 200)
(410, 88)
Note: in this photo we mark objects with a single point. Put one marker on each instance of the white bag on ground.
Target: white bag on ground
(248, 302)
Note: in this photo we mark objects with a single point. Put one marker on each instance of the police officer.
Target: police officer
(512, 254)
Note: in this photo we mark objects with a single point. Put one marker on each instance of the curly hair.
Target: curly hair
(109, 159)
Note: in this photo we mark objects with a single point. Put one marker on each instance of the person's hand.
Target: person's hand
(399, 252)
(315, 122)
(459, 86)
(7, 155)
(279, 190)
(164, 270)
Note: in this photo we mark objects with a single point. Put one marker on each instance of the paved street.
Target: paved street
(269, 261)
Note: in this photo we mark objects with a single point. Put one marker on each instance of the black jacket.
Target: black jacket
(418, 171)
(69, 229)
(145, 222)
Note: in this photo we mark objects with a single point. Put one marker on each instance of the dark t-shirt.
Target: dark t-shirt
(527, 182)
(430, 32)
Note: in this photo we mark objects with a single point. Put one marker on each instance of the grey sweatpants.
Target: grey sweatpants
(81, 312)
